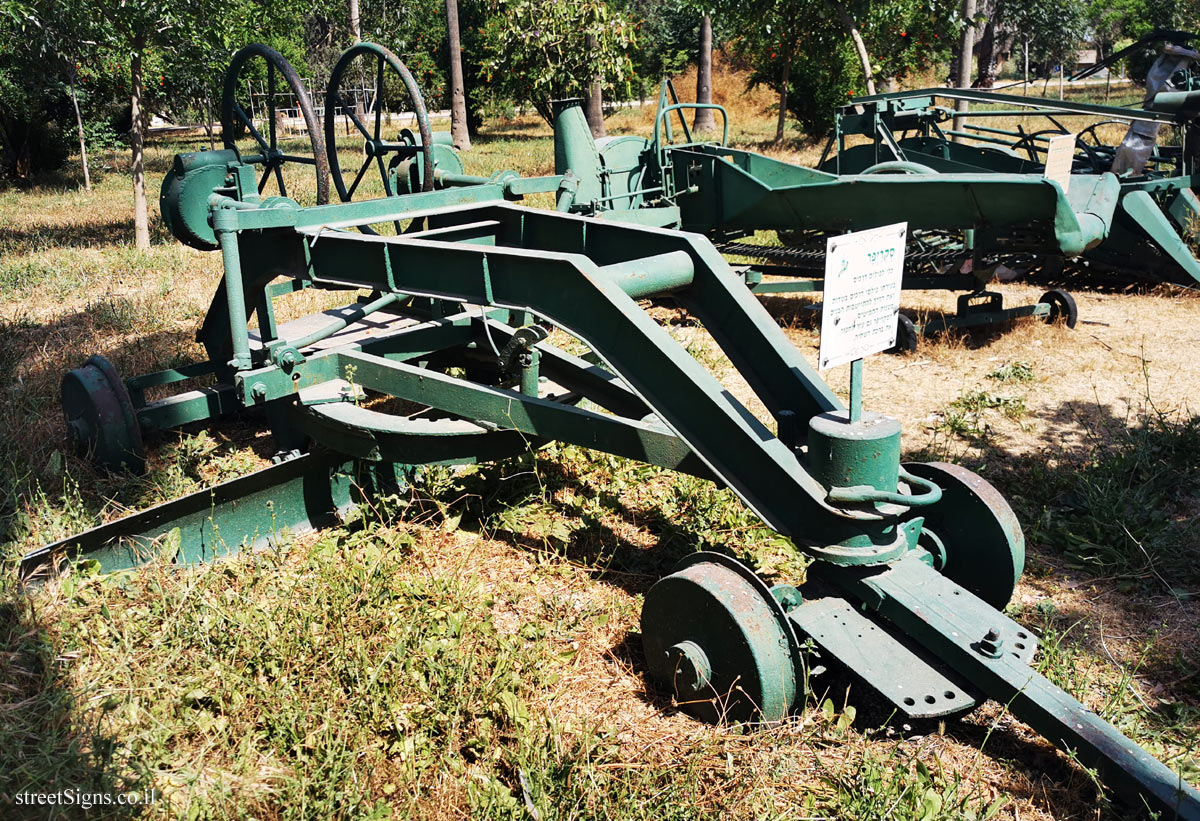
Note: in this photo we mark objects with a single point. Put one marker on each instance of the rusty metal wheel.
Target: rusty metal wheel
(719, 640)
(238, 123)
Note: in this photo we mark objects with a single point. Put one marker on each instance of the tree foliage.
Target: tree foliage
(823, 72)
(1052, 32)
(538, 50)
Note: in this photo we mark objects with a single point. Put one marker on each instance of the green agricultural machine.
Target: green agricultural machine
(977, 208)
(451, 348)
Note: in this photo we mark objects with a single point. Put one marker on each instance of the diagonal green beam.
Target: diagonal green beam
(572, 291)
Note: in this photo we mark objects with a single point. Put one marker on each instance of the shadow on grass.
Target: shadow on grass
(45, 745)
(99, 234)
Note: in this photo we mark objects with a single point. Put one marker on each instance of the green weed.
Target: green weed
(1129, 510)
(1013, 372)
(902, 785)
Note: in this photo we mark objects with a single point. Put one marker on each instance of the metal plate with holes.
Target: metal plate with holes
(874, 655)
(936, 600)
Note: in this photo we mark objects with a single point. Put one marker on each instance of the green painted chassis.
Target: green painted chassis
(473, 272)
(991, 204)
(1153, 213)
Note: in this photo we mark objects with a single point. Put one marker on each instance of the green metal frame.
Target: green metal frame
(455, 323)
(1146, 223)
(972, 204)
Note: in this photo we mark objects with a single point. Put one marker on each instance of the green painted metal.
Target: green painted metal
(888, 664)
(455, 329)
(250, 512)
(986, 647)
(101, 422)
(740, 190)
(846, 453)
(721, 643)
(1136, 236)
(980, 544)
(183, 200)
(575, 150)
(997, 201)
(1148, 215)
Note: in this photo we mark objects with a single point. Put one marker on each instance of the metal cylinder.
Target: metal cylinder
(653, 276)
(854, 454)
(575, 150)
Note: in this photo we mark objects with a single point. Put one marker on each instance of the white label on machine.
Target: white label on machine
(1060, 156)
(862, 293)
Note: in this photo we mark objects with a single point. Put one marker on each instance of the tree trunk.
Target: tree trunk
(705, 121)
(987, 55)
(965, 54)
(593, 99)
(458, 96)
(783, 96)
(208, 121)
(860, 47)
(87, 177)
(1025, 89)
(355, 25)
(137, 140)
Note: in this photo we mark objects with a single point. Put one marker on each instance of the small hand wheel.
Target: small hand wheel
(365, 73)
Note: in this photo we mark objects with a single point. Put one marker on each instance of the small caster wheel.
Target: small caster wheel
(101, 422)
(720, 640)
(907, 336)
(1061, 305)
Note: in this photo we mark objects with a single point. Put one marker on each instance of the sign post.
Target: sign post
(862, 300)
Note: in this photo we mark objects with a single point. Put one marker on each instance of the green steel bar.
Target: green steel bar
(541, 418)
(962, 630)
(787, 286)
(1050, 112)
(530, 374)
(225, 226)
(1038, 309)
(459, 180)
(184, 372)
(658, 275)
(192, 406)
(856, 386)
(520, 186)
(571, 291)
(355, 313)
(979, 138)
(628, 194)
(665, 111)
(364, 212)
(263, 507)
(1063, 106)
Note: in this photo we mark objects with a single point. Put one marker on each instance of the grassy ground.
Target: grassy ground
(478, 655)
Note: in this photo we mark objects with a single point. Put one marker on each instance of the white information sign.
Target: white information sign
(862, 293)
(1060, 156)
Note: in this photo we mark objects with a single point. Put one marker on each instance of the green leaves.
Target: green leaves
(544, 50)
